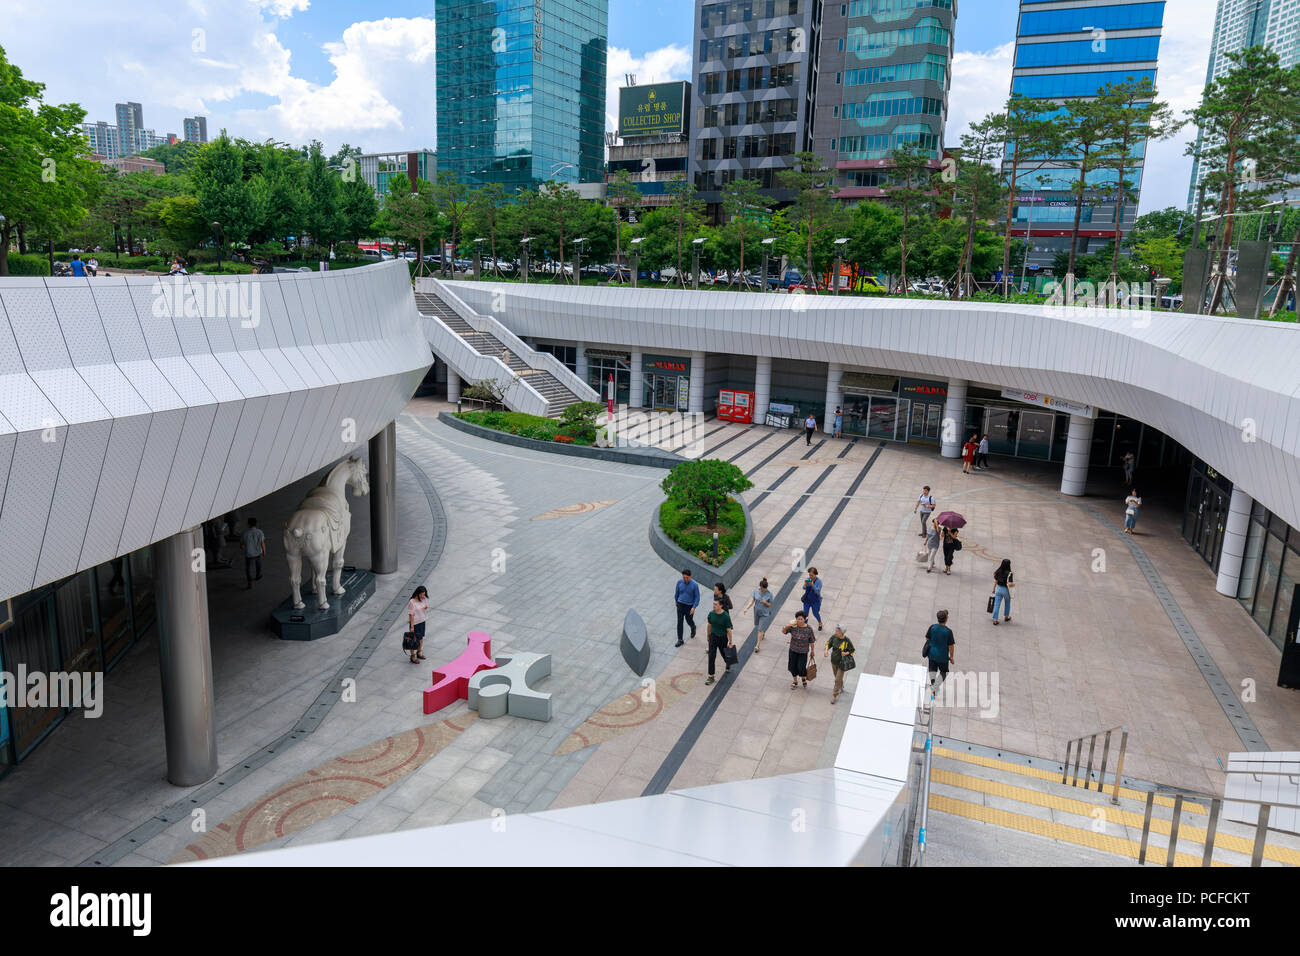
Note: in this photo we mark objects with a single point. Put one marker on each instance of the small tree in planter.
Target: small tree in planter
(706, 486)
(489, 391)
(579, 420)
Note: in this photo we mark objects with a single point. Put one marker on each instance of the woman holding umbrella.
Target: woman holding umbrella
(950, 521)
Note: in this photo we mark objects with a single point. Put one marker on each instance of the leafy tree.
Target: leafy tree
(562, 211)
(912, 193)
(175, 157)
(411, 215)
(743, 207)
(487, 213)
(181, 221)
(357, 208)
(623, 194)
(876, 238)
(322, 213)
(1031, 134)
(705, 486)
(1165, 255)
(452, 199)
(813, 206)
(1085, 135)
(1249, 119)
(345, 152)
(685, 212)
(977, 190)
(1134, 116)
(224, 196)
(45, 182)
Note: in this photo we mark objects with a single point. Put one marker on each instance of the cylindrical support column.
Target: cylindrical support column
(453, 386)
(696, 406)
(383, 500)
(1078, 448)
(762, 387)
(1234, 542)
(581, 350)
(834, 372)
(636, 386)
(954, 420)
(185, 658)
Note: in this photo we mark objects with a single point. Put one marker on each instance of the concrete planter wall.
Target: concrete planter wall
(706, 575)
(650, 457)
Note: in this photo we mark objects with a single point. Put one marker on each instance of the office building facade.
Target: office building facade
(196, 129)
(378, 169)
(1239, 24)
(1071, 49)
(885, 73)
(521, 90)
(755, 82)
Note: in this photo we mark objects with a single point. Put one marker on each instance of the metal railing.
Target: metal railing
(1076, 746)
(925, 781)
(1215, 808)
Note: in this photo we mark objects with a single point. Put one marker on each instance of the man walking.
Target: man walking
(809, 426)
(719, 636)
(983, 460)
(254, 542)
(688, 599)
(924, 505)
(939, 652)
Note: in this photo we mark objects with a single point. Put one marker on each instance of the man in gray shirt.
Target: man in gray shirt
(254, 542)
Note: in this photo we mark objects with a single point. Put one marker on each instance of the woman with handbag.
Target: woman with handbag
(417, 612)
(801, 647)
(1003, 582)
(951, 545)
(840, 649)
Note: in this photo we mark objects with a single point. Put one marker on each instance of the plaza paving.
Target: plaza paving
(546, 553)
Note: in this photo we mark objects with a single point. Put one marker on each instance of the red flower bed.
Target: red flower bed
(563, 439)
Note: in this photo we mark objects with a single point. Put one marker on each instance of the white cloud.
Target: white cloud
(657, 66)
(981, 83)
(283, 8)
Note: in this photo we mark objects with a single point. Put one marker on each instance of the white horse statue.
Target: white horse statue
(318, 530)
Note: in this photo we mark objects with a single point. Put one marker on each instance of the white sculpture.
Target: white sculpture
(318, 530)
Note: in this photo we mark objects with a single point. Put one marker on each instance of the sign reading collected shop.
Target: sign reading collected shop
(651, 110)
(666, 364)
(1048, 401)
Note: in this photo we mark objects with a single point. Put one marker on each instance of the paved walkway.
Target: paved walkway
(547, 553)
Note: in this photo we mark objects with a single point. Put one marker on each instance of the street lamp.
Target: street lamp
(839, 256)
(767, 255)
(216, 233)
(556, 167)
(523, 255)
(577, 260)
(697, 243)
(636, 255)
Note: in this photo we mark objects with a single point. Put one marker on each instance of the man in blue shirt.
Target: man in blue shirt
(78, 267)
(688, 599)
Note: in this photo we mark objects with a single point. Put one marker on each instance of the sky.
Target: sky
(297, 70)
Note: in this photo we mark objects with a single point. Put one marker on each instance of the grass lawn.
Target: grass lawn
(686, 528)
(521, 424)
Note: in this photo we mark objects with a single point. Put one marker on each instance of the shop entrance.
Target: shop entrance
(1208, 494)
(667, 392)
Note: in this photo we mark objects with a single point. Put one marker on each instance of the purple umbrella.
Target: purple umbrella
(950, 519)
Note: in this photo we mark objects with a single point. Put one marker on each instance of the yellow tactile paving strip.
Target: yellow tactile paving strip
(1058, 831)
(1224, 841)
(1042, 773)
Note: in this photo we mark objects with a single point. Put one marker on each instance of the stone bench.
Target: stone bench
(514, 673)
(635, 643)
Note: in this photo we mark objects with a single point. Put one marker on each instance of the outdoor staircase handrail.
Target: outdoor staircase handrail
(925, 784)
(533, 358)
(473, 366)
(1077, 745)
(1215, 808)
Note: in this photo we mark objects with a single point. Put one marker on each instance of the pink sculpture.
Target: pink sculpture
(452, 681)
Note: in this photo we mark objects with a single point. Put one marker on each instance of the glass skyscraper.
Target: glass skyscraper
(1070, 49)
(1239, 24)
(521, 90)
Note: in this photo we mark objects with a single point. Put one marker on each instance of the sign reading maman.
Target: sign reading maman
(652, 109)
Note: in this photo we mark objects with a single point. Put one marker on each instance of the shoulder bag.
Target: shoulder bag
(409, 641)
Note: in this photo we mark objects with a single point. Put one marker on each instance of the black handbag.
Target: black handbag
(847, 663)
(956, 544)
(989, 609)
(925, 648)
(731, 655)
(409, 641)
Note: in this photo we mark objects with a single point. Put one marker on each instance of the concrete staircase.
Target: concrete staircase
(526, 364)
(995, 808)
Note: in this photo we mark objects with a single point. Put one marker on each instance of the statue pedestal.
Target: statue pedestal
(310, 623)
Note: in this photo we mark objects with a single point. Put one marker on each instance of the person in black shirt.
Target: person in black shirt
(720, 594)
(719, 635)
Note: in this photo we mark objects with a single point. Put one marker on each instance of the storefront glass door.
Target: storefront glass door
(1035, 439)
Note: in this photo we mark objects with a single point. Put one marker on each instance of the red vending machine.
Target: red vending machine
(736, 407)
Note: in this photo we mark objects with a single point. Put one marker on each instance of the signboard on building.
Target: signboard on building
(653, 109)
(1048, 401)
(666, 363)
(917, 389)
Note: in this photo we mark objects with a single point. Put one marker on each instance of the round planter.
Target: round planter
(731, 570)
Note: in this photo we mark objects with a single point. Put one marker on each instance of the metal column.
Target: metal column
(185, 658)
(383, 500)
(954, 420)
(636, 383)
(1234, 542)
(696, 399)
(762, 387)
(834, 374)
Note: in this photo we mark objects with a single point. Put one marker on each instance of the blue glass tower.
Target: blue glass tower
(1070, 49)
(521, 90)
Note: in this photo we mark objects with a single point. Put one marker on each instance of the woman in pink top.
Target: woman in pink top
(417, 610)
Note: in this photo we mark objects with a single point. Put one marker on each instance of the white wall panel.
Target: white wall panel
(74, 495)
